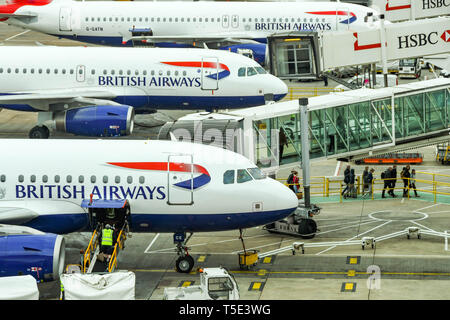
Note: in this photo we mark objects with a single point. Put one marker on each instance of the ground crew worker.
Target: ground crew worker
(107, 241)
(405, 175)
(412, 182)
(387, 183)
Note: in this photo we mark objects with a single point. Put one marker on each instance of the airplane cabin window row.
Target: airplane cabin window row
(200, 19)
(93, 71)
(68, 179)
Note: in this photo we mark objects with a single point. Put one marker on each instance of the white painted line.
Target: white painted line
(338, 167)
(422, 225)
(358, 235)
(433, 205)
(151, 243)
(17, 35)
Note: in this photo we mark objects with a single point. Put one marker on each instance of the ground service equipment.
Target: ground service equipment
(215, 284)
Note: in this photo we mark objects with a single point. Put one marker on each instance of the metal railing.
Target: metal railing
(93, 243)
(330, 186)
(119, 245)
(304, 92)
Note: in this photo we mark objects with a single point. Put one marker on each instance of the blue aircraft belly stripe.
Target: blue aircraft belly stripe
(151, 222)
(175, 102)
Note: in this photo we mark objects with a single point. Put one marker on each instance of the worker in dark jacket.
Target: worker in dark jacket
(386, 175)
(405, 175)
(393, 180)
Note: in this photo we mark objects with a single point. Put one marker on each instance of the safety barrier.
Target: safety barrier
(93, 243)
(295, 93)
(331, 186)
(119, 245)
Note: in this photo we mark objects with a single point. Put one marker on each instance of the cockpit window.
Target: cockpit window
(251, 71)
(256, 173)
(260, 70)
(228, 177)
(243, 176)
(241, 72)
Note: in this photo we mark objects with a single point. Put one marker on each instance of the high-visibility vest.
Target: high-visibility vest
(107, 237)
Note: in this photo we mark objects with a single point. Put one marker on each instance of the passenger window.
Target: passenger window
(1, 70)
(33, 178)
(228, 177)
(141, 179)
(57, 178)
(256, 173)
(17, 70)
(105, 179)
(24, 70)
(21, 178)
(93, 179)
(241, 72)
(69, 179)
(92, 71)
(2, 178)
(251, 71)
(130, 179)
(56, 71)
(243, 176)
(63, 71)
(117, 179)
(113, 72)
(81, 179)
(44, 178)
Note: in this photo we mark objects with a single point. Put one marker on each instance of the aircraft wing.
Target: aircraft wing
(54, 100)
(227, 37)
(16, 15)
(16, 215)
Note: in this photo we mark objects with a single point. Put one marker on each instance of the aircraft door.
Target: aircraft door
(225, 21)
(180, 180)
(65, 19)
(81, 73)
(210, 73)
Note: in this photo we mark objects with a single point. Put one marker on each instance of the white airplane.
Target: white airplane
(95, 91)
(216, 23)
(61, 186)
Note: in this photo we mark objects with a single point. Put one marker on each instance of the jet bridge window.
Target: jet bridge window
(243, 176)
(228, 177)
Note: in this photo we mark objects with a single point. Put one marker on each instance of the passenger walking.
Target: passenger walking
(346, 179)
(296, 182)
(369, 180)
(386, 175)
(351, 191)
(290, 181)
(364, 179)
(412, 182)
(393, 180)
(405, 175)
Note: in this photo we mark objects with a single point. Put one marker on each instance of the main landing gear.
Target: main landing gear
(39, 132)
(185, 262)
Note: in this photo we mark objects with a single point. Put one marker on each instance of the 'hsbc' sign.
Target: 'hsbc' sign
(417, 40)
(403, 40)
(400, 10)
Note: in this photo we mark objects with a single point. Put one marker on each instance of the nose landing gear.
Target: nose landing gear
(185, 262)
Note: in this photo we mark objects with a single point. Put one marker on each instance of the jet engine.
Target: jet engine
(97, 121)
(24, 250)
(256, 51)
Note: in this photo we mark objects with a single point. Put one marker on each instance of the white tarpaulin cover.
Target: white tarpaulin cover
(112, 286)
(18, 288)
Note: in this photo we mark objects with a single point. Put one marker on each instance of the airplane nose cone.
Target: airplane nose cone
(281, 89)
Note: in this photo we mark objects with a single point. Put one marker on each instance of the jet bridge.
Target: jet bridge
(351, 125)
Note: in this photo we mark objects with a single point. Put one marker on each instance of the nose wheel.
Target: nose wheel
(185, 262)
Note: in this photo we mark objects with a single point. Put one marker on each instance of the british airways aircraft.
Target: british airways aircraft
(95, 91)
(218, 24)
(62, 186)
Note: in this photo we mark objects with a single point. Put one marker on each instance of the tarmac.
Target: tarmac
(395, 269)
